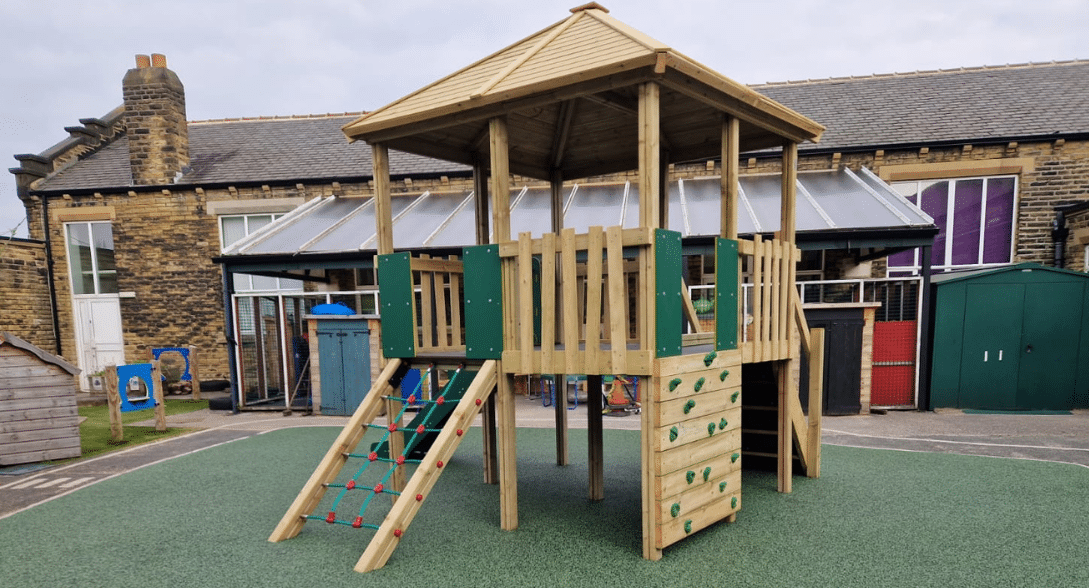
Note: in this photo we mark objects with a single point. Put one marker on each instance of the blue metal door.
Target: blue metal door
(345, 367)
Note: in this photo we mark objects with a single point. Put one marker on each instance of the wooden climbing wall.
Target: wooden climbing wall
(696, 445)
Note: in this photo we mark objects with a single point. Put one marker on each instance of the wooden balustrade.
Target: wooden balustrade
(588, 318)
(767, 321)
(439, 306)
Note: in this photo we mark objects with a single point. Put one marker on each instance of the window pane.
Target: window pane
(79, 259)
(256, 221)
(102, 235)
(967, 208)
(264, 283)
(233, 229)
(998, 234)
(935, 202)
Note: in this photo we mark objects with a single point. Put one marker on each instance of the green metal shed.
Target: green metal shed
(1011, 338)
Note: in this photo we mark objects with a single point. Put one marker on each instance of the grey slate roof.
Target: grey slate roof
(253, 150)
(969, 104)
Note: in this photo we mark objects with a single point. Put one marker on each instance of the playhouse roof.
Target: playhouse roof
(569, 93)
(46, 357)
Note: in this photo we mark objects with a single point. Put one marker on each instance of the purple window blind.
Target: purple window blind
(967, 208)
(998, 231)
(935, 202)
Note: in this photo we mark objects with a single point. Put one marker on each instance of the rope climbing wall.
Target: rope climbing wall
(359, 478)
(697, 445)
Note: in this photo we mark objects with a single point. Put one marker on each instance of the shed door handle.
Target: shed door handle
(984, 356)
(1028, 349)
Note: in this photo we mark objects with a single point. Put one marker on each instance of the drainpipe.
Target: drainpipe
(228, 315)
(1059, 233)
(49, 267)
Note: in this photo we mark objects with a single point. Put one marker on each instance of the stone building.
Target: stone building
(133, 207)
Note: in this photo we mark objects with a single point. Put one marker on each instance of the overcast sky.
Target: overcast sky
(63, 60)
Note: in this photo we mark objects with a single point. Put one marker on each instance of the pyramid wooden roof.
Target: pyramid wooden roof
(570, 95)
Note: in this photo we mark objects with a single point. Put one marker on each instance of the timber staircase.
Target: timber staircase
(432, 437)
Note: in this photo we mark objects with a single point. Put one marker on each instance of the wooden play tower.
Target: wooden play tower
(587, 96)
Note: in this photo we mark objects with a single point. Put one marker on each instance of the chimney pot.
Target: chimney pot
(143, 61)
(158, 60)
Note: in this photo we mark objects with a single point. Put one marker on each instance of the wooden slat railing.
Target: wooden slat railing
(440, 304)
(767, 330)
(587, 325)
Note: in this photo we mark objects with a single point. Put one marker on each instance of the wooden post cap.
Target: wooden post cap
(589, 6)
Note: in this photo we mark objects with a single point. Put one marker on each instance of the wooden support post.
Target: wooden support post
(194, 372)
(816, 392)
(508, 466)
(595, 439)
(383, 216)
(396, 442)
(651, 420)
(559, 403)
(786, 435)
(157, 394)
(113, 397)
(789, 189)
(728, 181)
(491, 450)
(649, 155)
(480, 191)
(497, 129)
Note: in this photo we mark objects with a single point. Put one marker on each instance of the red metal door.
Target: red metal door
(893, 382)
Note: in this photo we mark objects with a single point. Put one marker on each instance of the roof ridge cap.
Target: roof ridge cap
(925, 72)
(279, 117)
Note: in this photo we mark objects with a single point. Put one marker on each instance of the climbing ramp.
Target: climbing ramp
(359, 479)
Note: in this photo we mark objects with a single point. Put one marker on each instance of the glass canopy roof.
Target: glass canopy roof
(827, 202)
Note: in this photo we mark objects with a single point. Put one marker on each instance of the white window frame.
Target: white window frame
(245, 282)
(945, 263)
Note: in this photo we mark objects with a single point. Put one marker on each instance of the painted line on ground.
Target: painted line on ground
(77, 482)
(981, 443)
(1073, 463)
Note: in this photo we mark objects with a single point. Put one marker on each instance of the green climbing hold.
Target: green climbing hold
(688, 526)
(722, 376)
(674, 383)
(710, 357)
(706, 473)
(710, 429)
(690, 475)
(733, 502)
(722, 486)
(673, 434)
(734, 457)
(733, 397)
(675, 509)
(699, 384)
(689, 406)
(722, 424)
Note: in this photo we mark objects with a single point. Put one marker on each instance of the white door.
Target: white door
(99, 336)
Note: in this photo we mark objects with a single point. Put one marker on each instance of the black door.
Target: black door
(842, 359)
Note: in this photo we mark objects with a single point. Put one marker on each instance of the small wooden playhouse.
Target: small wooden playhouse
(584, 97)
(38, 418)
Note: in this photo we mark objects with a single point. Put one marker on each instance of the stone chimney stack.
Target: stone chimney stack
(155, 122)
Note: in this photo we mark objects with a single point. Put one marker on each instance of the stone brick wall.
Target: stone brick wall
(24, 288)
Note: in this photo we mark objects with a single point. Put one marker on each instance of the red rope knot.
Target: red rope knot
(331, 518)
(392, 427)
(358, 522)
(350, 485)
(378, 488)
(478, 402)
(420, 430)
(397, 533)
(460, 432)
(439, 464)
(400, 460)
(412, 399)
(419, 498)
(441, 400)
(373, 456)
